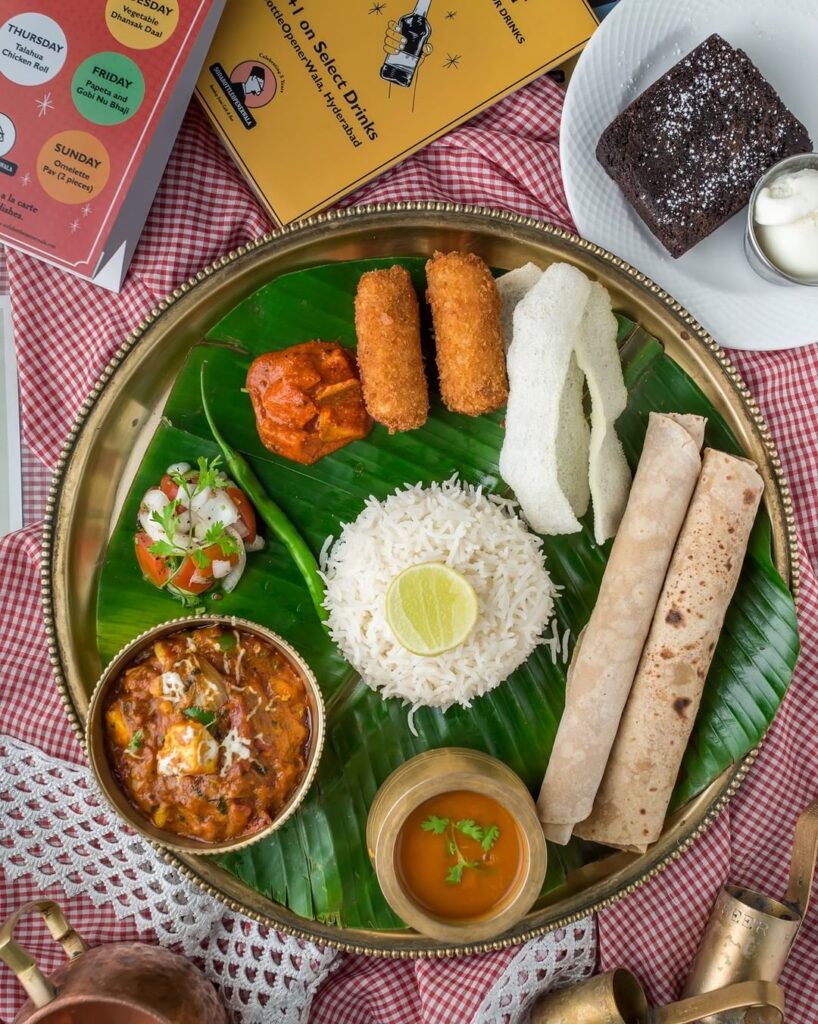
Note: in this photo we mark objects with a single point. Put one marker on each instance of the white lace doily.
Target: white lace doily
(560, 958)
(57, 829)
(63, 832)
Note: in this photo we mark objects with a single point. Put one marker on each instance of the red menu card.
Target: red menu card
(91, 96)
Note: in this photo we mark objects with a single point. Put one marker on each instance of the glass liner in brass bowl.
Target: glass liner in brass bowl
(118, 419)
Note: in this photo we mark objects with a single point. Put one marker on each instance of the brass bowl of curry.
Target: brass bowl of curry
(456, 844)
(204, 733)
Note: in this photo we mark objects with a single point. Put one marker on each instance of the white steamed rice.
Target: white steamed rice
(482, 538)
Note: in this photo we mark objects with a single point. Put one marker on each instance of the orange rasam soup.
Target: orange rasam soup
(459, 855)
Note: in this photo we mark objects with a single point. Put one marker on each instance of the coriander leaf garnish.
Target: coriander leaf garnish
(185, 486)
(470, 829)
(435, 824)
(168, 518)
(164, 547)
(227, 640)
(206, 718)
(185, 542)
(200, 559)
(137, 741)
(490, 837)
(195, 481)
(209, 473)
(217, 534)
(214, 533)
(454, 876)
(486, 837)
(222, 805)
(229, 544)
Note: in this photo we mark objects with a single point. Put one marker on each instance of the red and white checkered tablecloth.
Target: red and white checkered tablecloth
(508, 157)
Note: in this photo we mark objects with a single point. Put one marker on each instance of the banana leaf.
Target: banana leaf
(317, 864)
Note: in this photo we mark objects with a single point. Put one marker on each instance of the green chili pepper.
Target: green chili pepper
(245, 478)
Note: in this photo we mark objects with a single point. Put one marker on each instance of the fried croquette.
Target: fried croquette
(387, 322)
(468, 334)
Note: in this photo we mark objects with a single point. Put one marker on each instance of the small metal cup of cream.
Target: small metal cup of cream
(756, 256)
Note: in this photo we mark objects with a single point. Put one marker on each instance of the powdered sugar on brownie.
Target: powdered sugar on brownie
(688, 151)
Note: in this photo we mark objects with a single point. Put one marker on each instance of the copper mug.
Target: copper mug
(126, 983)
(618, 998)
(749, 935)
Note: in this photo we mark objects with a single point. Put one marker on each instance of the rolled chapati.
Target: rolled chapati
(607, 653)
(632, 801)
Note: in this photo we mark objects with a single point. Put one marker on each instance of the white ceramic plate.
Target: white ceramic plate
(636, 44)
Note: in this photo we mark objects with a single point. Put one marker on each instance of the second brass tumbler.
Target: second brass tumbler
(749, 935)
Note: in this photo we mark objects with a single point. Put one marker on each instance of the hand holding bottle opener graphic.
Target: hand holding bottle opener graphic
(407, 44)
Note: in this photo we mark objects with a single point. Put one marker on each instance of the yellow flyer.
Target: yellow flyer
(315, 97)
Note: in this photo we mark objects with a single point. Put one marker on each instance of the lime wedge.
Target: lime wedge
(431, 608)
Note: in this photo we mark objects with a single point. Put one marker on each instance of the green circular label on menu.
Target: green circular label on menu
(108, 88)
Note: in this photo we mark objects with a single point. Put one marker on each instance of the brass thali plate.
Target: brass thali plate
(120, 416)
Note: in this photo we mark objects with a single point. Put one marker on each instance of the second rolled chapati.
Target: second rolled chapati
(632, 801)
(607, 654)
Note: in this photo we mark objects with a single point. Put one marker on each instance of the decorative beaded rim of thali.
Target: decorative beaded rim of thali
(726, 786)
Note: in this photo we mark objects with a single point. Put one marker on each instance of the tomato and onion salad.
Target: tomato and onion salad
(194, 531)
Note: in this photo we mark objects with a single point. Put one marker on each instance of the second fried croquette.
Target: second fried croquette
(468, 336)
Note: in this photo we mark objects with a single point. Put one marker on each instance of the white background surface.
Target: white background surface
(636, 44)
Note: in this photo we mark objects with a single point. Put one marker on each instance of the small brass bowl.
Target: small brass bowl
(445, 771)
(98, 756)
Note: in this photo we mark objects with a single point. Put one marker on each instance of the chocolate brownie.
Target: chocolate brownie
(688, 152)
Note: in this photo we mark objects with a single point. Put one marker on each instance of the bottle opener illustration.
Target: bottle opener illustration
(401, 67)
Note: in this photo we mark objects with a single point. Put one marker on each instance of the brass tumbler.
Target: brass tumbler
(749, 936)
(618, 998)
